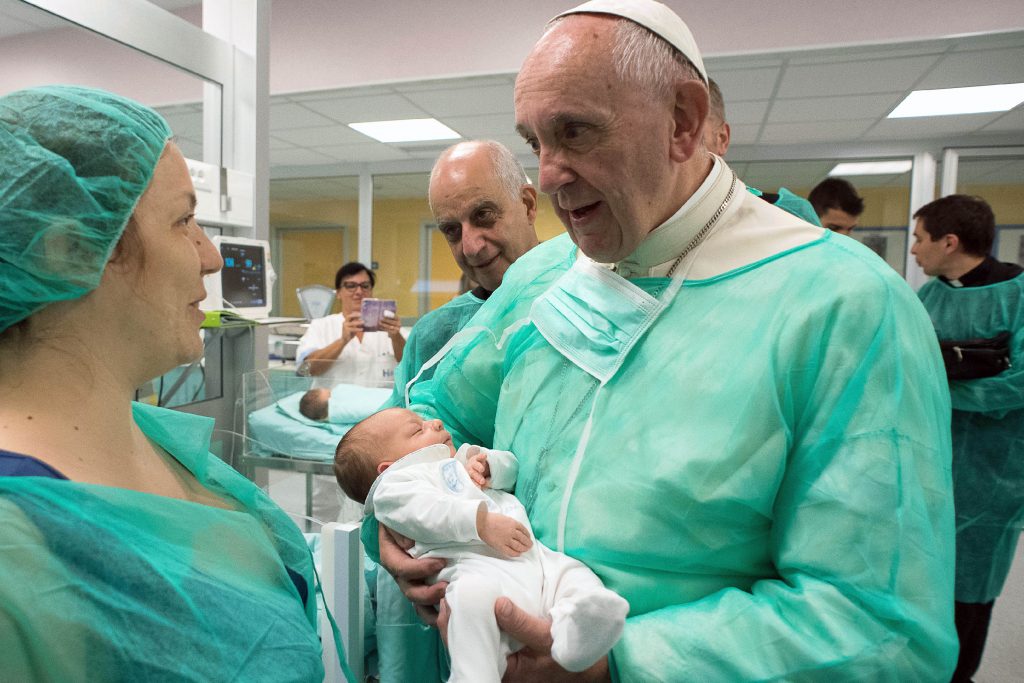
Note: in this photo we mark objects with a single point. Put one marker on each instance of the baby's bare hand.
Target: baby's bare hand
(504, 534)
(478, 469)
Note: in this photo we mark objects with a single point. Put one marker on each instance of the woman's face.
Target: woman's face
(353, 290)
(162, 287)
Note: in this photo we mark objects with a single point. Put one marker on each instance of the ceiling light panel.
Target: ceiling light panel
(872, 168)
(406, 130)
(977, 99)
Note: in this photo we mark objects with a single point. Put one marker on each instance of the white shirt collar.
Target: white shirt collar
(669, 239)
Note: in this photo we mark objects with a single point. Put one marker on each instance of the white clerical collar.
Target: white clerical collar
(669, 239)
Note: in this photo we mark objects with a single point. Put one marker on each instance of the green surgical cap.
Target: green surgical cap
(73, 164)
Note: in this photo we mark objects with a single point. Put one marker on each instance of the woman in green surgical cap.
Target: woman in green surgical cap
(128, 551)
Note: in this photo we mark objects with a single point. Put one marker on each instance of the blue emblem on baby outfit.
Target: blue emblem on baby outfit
(450, 474)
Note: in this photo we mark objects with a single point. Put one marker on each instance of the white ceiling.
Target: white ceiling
(832, 102)
(784, 108)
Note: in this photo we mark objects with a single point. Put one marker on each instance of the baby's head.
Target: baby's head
(313, 404)
(371, 446)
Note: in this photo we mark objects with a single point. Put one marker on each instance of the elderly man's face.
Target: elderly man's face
(603, 147)
(486, 229)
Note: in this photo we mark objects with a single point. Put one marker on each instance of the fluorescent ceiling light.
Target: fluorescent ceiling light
(406, 130)
(872, 168)
(949, 101)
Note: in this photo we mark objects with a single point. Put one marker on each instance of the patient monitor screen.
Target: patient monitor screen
(244, 277)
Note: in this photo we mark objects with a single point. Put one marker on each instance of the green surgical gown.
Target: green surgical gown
(790, 203)
(988, 434)
(767, 478)
(428, 335)
(108, 584)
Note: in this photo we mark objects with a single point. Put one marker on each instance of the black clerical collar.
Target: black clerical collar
(988, 272)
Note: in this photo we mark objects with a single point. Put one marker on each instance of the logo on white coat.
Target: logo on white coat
(450, 474)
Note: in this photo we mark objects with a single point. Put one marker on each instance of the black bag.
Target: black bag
(976, 358)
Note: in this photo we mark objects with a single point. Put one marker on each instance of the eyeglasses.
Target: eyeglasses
(352, 286)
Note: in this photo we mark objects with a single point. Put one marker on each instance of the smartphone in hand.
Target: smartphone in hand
(373, 312)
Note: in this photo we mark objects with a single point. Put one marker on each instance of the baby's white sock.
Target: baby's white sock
(586, 627)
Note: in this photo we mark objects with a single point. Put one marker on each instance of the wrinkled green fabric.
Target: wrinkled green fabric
(407, 649)
(791, 203)
(767, 481)
(75, 162)
(988, 434)
(428, 335)
(108, 584)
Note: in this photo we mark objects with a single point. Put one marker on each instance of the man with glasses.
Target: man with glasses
(337, 347)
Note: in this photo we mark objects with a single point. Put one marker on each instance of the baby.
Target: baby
(314, 404)
(456, 505)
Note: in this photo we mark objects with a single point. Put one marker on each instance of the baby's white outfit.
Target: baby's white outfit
(429, 497)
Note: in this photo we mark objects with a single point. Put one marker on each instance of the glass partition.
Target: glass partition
(38, 48)
(999, 180)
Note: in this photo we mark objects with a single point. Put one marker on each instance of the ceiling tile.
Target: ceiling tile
(363, 153)
(287, 115)
(358, 109)
(1011, 121)
(720, 63)
(746, 84)
(335, 93)
(992, 41)
(322, 135)
(486, 125)
(745, 112)
(851, 78)
(467, 82)
(276, 143)
(986, 67)
(928, 127)
(514, 142)
(494, 99)
(814, 131)
(860, 53)
(297, 157)
(833, 108)
(741, 134)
